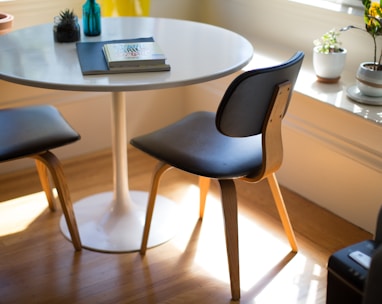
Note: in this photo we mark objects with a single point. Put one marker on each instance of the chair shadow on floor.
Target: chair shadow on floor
(190, 252)
(255, 290)
(186, 260)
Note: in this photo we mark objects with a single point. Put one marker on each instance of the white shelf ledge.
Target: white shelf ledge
(347, 7)
(307, 84)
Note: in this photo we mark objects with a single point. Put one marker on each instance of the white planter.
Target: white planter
(6, 22)
(369, 82)
(328, 67)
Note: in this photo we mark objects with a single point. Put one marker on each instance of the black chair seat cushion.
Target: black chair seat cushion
(31, 130)
(201, 149)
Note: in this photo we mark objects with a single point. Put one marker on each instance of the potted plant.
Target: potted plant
(369, 74)
(66, 27)
(6, 21)
(328, 57)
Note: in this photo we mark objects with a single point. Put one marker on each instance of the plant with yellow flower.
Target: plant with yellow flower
(372, 17)
(373, 25)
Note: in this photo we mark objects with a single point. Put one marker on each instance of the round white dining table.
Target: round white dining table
(197, 52)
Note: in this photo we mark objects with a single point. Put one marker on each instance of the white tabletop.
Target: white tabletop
(197, 52)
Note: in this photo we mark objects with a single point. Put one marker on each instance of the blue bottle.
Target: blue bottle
(91, 18)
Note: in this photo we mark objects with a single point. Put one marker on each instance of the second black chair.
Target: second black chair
(32, 132)
(242, 141)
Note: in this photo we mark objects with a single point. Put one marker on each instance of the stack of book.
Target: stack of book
(121, 56)
(135, 57)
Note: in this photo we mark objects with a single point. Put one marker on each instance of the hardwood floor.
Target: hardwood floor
(38, 265)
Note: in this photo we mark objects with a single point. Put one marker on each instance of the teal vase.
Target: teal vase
(91, 18)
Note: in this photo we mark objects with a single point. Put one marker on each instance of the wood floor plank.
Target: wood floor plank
(38, 265)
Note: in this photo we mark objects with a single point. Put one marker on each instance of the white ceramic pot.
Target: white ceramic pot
(6, 22)
(328, 67)
(369, 82)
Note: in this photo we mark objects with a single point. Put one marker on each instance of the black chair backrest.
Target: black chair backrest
(245, 104)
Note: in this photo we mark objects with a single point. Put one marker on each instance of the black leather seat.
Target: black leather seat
(242, 141)
(32, 132)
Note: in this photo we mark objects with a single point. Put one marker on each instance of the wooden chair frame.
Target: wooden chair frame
(272, 159)
(48, 162)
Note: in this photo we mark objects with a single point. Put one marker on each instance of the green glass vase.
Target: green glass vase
(91, 18)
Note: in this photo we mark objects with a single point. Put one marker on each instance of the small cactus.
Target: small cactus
(67, 16)
(66, 27)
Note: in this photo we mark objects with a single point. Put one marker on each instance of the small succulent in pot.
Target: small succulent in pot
(66, 27)
(329, 57)
(329, 42)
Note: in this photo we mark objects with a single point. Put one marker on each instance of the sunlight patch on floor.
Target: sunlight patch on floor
(188, 217)
(300, 279)
(265, 259)
(17, 214)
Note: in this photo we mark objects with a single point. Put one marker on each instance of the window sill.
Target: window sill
(336, 7)
(307, 84)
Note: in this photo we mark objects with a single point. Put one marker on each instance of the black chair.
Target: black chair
(32, 132)
(242, 141)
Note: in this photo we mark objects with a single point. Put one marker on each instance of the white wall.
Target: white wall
(331, 157)
(289, 25)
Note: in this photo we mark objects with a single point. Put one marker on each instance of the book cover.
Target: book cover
(92, 60)
(133, 54)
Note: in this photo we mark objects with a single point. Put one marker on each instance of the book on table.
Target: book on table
(133, 54)
(93, 61)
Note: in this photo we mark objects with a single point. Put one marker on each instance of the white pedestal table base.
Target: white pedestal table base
(103, 229)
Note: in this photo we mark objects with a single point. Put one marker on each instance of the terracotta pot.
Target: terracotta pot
(328, 67)
(369, 81)
(6, 22)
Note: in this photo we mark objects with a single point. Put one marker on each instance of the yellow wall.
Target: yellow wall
(32, 12)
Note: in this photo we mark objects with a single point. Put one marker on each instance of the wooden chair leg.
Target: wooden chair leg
(159, 170)
(204, 185)
(229, 202)
(282, 211)
(55, 168)
(45, 183)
